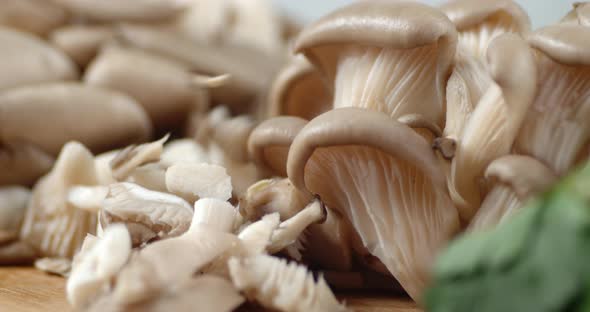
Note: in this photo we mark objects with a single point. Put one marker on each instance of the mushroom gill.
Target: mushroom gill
(389, 56)
(384, 178)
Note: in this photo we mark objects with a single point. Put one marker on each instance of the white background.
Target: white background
(542, 12)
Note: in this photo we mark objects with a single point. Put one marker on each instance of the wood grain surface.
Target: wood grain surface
(24, 289)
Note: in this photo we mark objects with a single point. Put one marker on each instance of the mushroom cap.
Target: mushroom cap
(469, 13)
(401, 25)
(565, 43)
(81, 42)
(232, 136)
(269, 142)
(35, 16)
(298, 90)
(354, 126)
(27, 59)
(49, 115)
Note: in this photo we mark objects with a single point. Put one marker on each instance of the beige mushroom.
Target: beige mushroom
(269, 143)
(392, 57)
(52, 225)
(124, 10)
(493, 126)
(34, 16)
(163, 87)
(26, 59)
(49, 115)
(81, 42)
(13, 204)
(518, 178)
(384, 178)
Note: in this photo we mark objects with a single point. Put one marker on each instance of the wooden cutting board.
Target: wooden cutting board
(24, 289)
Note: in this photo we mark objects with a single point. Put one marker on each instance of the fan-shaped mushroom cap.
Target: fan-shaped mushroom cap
(26, 59)
(49, 115)
(269, 142)
(389, 56)
(298, 90)
(384, 178)
(81, 42)
(124, 10)
(35, 16)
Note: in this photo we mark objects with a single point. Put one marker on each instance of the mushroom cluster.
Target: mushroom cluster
(161, 153)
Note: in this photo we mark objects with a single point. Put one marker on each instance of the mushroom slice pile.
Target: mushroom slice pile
(384, 178)
(269, 143)
(298, 90)
(277, 284)
(52, 225)
(494, 125)
(389, 56)
(478, 23)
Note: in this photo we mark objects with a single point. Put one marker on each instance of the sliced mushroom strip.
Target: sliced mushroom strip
(277, 284)
(57, 266)
(269, 142)
(35, 16)
(384, 178)
(134, 156)
(298, 90)
(124, 10)
(556, 128)
(194, 181)
(389, 56)
(149, 214)
(52, 225)
(517, 178)
(27, 59)
(290, 230)
(98, 118)
(81, 42)
(494, 125)
(479, 22)
(13, 204)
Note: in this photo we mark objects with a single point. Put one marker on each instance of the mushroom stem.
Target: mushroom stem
(288, 231)
(418, 121)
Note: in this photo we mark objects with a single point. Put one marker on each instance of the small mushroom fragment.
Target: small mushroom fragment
(57, 266)
(385, 180)
(89, 198)
(27, 59)
(277, 284)
(147, 214)
(162, 86)
(96, 265)
(392, 57)
(151, 176)
(494, 125)
(81, 42)
(98, 118)
(556, 127)
(298, 90)
(479, 22)
(518, 178)
(134, 156)
(52, 225)
(13, 204)
(34, 16)
(124, 10)
(183, 151)
(243, 174)
(269, 143)
(194, 181)
(270, 196)
(22, 163)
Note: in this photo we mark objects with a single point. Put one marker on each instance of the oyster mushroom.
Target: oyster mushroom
(34, 16)
(298, 90)
(27, 59)
(494, 125)
(385, 180)
(479, 23)
(556, 127)
(81, 42)
(13, 204)
(392, 57)
(518, 178)
(269, 143)
(49, 115)
(163, 87)
(22, 163)
(124, 10)
(53, 226)
(194, 181)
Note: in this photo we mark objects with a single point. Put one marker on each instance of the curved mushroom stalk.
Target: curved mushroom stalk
(53, 226)
(494, 125)
(268, 144)
(478, 23)
(384, 178)
(556, 128)
(389, 56)
(298, 90)
(23, 164)
(518, 178)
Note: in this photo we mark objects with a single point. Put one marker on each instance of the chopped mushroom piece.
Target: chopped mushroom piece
(517, 179)
(35, 16)
(134, 156)
(151, 176)
(57, 266)
(13, 204)
(194, 181)
(277, 284)
(392, 57)
(183, 151)
(89, 198)
(385, 179)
